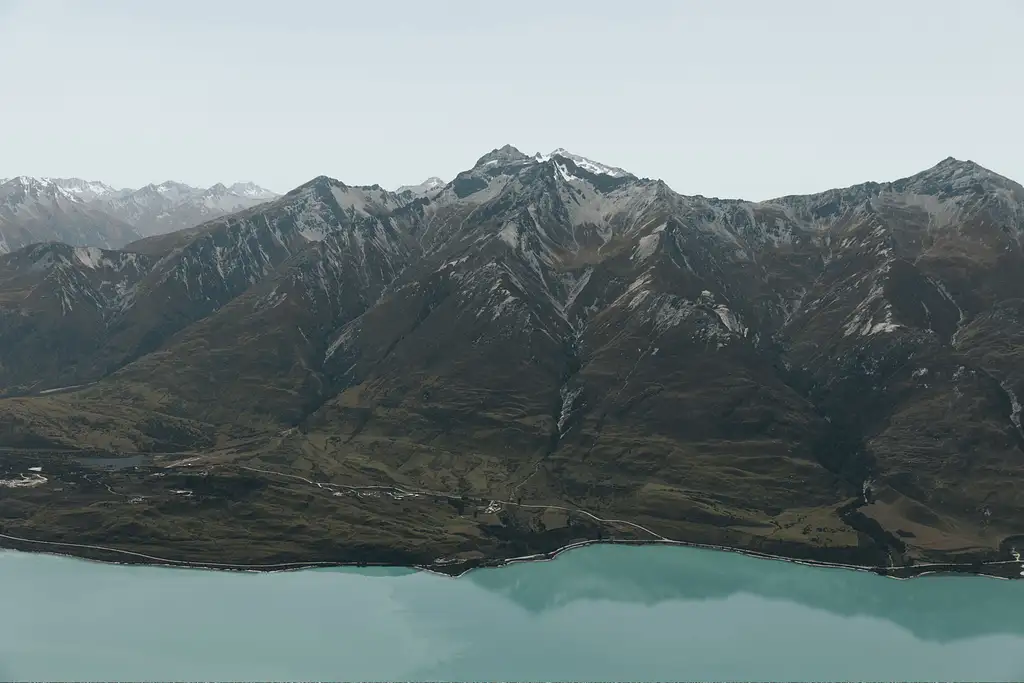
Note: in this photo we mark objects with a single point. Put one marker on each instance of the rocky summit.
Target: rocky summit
(544, 350)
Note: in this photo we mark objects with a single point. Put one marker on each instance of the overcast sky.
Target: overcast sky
(748, 99)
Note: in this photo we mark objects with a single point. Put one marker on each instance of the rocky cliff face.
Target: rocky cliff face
(836, 371)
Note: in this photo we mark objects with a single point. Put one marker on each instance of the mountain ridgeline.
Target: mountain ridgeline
(88, 213)
(836, 376)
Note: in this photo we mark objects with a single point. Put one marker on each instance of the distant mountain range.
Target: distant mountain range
(835, 376)
(89, 213)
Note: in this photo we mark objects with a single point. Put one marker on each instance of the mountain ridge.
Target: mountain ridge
(91, 213)
(807, 375)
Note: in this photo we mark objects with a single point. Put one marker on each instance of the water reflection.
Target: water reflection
(940, 608)
(607, 613)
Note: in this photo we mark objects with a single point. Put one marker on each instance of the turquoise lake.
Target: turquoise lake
(598, 613)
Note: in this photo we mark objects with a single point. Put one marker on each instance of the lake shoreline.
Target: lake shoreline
(1005, 569)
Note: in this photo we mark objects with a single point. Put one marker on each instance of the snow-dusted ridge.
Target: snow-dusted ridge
(91, 213)
(585, 163)
(565, 295)
(169, 206)
(46, 210)
(250, 189)
(427, 187)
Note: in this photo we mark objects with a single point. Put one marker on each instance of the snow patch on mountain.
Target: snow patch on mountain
(569, 397)
(427, 187)
(252, 191)
(584, 163)
(169, 206)
(21, 188)
(78, 276)
(86, 190)
(345, 337)
(873, 315)
(506, 303)
(1015, 406)
(41, 210)
(564, 173)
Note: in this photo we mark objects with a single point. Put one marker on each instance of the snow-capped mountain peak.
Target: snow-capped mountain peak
(169, 206)
(585, 163)
(108, 215)
(220, 197)
(428, 186)
(42, 210)
(26, 181)
(250, 189)
(29, 186)
(86, 190)
(173, 191)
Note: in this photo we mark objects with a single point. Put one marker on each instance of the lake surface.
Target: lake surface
(603, 612)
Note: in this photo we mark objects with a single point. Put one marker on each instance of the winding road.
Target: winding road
(656, 538)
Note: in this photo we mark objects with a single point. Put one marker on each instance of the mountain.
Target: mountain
(169, 206)
(86, 190)
(543, 343)
(427, 187)
(585, 163)
(57, 304)
(252, 190)
(91, 213)
(38, 210)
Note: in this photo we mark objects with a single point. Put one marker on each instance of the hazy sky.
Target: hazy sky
(744, 98)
